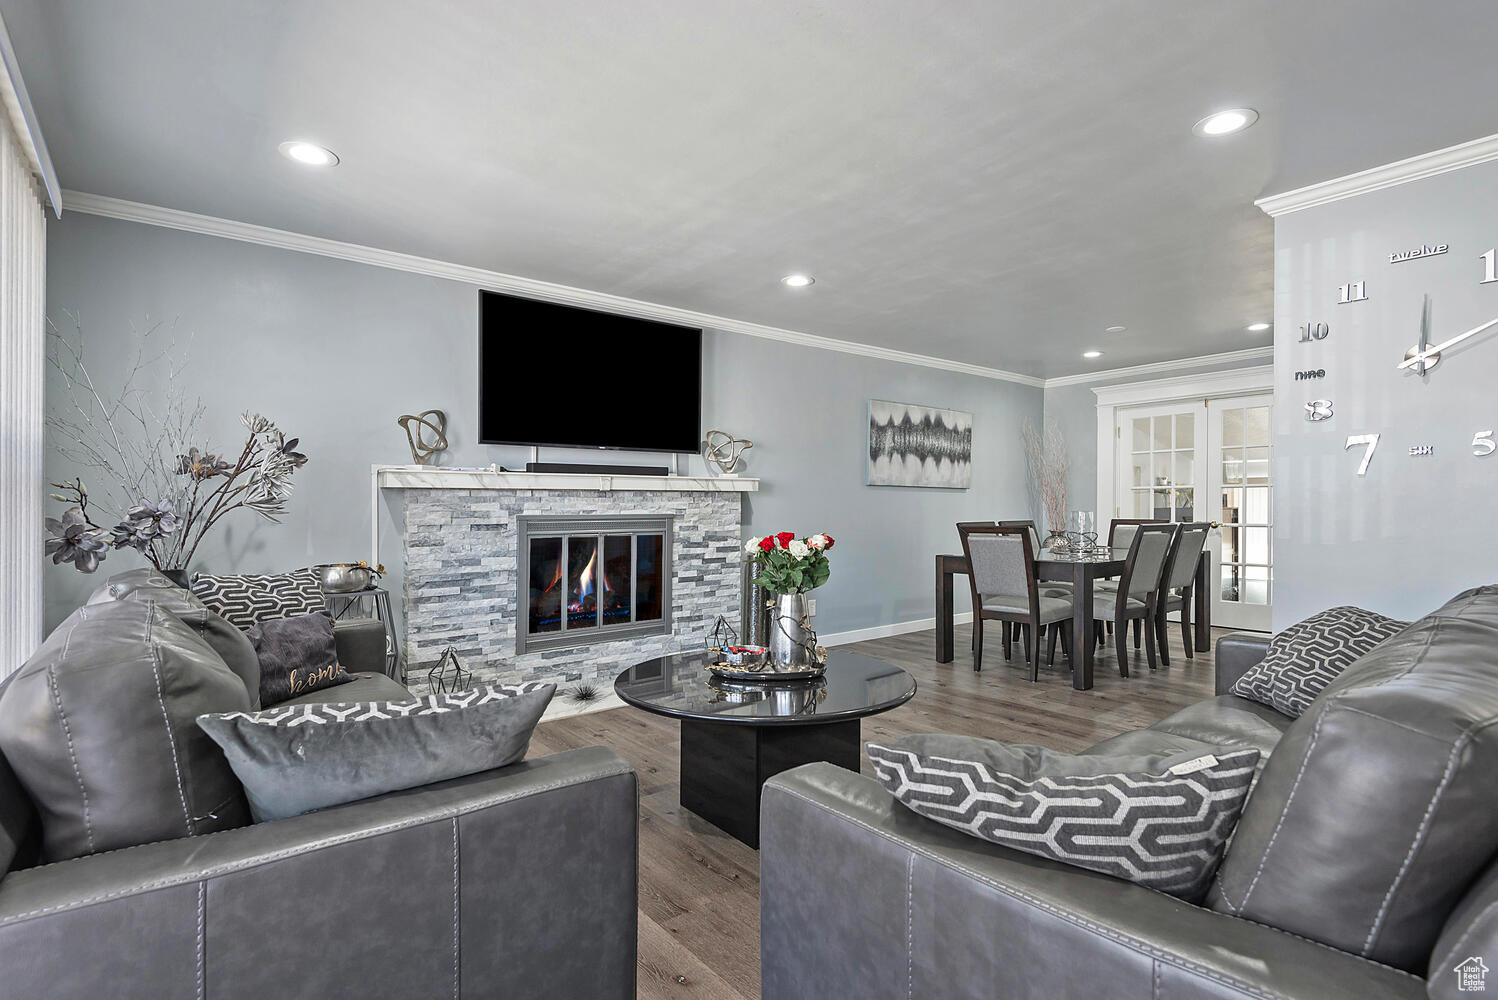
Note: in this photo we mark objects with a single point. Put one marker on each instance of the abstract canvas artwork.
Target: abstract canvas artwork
(911, 445)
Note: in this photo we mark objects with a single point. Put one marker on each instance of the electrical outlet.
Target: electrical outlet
(811, 605)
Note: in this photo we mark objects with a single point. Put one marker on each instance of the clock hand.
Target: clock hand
(1424, 333)
(1423, 355)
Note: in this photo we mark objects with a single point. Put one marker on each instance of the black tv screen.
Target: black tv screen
(561, 376)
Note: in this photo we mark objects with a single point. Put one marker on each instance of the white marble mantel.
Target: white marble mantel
(425, 477)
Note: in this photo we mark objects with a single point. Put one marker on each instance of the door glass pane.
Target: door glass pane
(1141, 470)
(1232, 428)
(1185, 430)
(1185, 468)
(1185, 505)
(1256, 465)
(1162, 433)
(1232, 581)
(1255, 585)
(1232, 504)
(1162, 469)
(1141, 433)
(1232, 536)
(1143, 504)
(1256, 546)
(649, 588)
(614, 583)
(1256, 425)
(582, 581)
(1232, 465)
(1255, 506)
(545, 612)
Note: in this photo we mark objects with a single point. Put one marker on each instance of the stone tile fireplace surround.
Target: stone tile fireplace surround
(462, 585)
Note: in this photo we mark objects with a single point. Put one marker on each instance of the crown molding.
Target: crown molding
(1236, 382)
(171, 218)
(1117, 374)
(1377, 178)
(17, 104)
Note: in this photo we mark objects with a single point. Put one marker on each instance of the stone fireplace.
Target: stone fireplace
(563, 578)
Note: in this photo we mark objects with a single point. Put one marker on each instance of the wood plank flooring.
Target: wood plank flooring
(699, 888)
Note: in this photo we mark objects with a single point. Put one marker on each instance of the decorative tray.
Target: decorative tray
(751, 663)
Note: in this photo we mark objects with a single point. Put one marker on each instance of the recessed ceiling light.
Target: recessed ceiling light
(1226, 122)
(1114, 329)
(1257, 327)
(798, 280)
(309, 153)
(1092, 354)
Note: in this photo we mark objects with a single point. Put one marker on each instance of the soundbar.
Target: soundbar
(598, 470)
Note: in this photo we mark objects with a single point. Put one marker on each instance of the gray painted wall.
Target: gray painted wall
(1074, 408)
(1415, 530)
(334, 351)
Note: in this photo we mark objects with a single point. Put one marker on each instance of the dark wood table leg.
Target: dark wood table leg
(1203, 599)
(1081, 626)
(943, 612)
(725, 765)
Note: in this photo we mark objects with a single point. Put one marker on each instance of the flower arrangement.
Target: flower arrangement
(137, 441)
(791, 565)
(168, 531)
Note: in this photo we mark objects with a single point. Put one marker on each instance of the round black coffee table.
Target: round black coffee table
(736, 735)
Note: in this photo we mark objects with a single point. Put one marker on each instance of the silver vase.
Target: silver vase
(792, 641)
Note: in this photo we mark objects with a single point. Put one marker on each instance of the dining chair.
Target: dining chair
(963, 527)
(1002, 564)
(1137, 591)
(1055, 588)
(1120, 536)
(1180, 583)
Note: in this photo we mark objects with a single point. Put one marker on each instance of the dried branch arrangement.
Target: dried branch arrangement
(146, 449)
(1045, 452)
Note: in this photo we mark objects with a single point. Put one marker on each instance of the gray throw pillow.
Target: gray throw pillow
(297, 656)
(100, 728)
(247, 599)
(1303, 659)
(1160, 820)
(298, 758)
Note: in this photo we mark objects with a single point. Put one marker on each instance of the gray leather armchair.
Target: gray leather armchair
(1376, 829)
(514, 882)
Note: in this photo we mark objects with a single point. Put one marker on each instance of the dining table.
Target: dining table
(1081, 569)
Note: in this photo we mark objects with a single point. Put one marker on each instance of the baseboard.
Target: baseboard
(885, 631)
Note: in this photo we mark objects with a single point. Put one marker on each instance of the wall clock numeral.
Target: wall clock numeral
(1319, 409)
(1370, 445)
(1489, 266)
(1483, 444)
(1357, 291)
(1422, 450)
(1314, 331)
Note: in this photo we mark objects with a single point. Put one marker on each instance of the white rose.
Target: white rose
(751, 546)
(817, 541)
(798, 548)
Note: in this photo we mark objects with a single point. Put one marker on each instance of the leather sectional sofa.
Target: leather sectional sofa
(1363, 866)
(517, 882)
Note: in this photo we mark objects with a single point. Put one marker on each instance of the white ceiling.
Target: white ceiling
(987, 182)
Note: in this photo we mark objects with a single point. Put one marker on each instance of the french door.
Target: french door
(1243, 500)
(1207, 460)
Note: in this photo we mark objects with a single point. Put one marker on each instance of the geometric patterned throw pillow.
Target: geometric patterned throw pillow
(1303, 659)
(1161, 820)
(295, 758)
(246, 600)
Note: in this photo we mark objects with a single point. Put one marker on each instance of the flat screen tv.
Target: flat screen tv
(566, 377)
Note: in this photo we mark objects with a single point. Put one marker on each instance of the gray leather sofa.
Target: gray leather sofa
(517, 882)
(1364, 864)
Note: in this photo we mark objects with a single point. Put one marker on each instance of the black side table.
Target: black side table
(371, 603)
(735, 736)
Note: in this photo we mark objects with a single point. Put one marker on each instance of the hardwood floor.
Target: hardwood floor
(699, 888)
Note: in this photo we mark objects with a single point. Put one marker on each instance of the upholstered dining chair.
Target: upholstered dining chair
(1121, 536)
(1002, 564)
(1053, 588)
(1137, 590)
(1180, 582)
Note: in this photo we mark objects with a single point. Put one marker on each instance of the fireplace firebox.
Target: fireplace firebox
(592, 579)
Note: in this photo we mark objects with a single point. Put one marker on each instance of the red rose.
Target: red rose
(784, 538)
(830, 542)
(767, 543)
